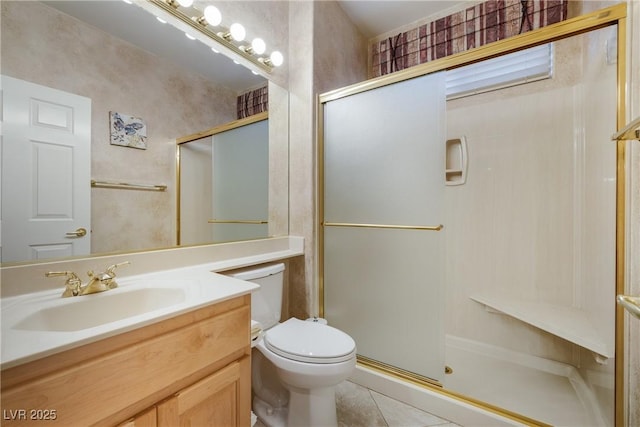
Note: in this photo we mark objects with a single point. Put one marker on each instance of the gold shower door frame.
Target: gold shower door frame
(614, 15)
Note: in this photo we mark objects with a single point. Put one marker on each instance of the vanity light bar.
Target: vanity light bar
(171, 7)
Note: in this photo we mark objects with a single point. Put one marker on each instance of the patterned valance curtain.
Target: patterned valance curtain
(253, 102)
(472, 27)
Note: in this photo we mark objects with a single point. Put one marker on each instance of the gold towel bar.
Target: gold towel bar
(236, 221)
(127, 186)
(402, 227)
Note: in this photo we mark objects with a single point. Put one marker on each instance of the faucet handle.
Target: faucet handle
(107, 278)
(72, 285)
(111, 269)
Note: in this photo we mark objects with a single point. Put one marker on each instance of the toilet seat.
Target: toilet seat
(309, 342)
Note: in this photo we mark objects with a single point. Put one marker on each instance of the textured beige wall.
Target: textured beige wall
(301, 159)
(326, 52)
(43, 46)
(340, 50)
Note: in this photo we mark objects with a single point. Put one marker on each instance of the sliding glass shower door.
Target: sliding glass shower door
(383, 216)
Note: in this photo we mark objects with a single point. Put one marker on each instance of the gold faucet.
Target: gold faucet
(98, 282)
(73, 284)
(102, 281)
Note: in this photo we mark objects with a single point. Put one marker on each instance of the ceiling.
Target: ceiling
(376, 17)
(138, 27)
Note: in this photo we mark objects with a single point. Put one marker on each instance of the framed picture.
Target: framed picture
(128, 131)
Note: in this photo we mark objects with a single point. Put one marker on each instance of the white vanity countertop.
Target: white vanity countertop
(138, 301)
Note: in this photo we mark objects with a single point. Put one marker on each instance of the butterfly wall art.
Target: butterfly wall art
(128, 131)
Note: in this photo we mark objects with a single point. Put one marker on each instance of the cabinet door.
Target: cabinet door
(221, 399)
(147, 418)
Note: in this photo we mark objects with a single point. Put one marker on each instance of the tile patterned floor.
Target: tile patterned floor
(358, 406)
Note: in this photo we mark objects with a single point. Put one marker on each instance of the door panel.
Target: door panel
(369, 273)
(384, 154)
(384, 166)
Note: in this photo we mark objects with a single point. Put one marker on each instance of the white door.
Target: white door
(46, 172)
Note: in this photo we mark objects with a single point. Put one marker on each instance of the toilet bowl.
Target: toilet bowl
(309, 359)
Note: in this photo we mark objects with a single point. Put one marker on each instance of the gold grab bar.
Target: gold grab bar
(127, 186)
(236, 221)
(629, 132)
(401, 227)
(631, 304)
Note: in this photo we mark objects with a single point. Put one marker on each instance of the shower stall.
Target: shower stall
(499, 286)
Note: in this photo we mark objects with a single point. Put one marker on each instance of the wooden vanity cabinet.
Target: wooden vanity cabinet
(211, 401)
(148, 418)
(191, 369)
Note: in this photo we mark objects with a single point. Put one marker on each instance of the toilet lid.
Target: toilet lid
(310, 342)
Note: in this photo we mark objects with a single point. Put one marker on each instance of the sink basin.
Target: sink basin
(38, 324)
(93, 310)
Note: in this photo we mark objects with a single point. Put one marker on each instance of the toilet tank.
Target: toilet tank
(266, 302)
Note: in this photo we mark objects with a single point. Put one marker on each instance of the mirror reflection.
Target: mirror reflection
(114, 58)
(224, 183)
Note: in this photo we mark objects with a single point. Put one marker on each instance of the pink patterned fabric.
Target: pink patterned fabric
(253, 102)
(472, 27)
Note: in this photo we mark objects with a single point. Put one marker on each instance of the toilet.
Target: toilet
(296, 364)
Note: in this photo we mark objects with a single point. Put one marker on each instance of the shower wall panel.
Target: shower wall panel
(384, 165)
(541, 187)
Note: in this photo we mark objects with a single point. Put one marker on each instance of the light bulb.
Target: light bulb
(214, 50)
(258, 46)
(237, 32)
(276, 58)
(160, 20)
(212, 15)
(185, 3)
(189, 36)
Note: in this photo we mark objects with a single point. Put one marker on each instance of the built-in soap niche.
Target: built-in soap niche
(456, 161)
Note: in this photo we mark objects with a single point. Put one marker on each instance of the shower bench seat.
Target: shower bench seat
(569, 323)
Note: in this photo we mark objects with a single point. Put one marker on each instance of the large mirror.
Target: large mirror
(129, 70)
(223, 183)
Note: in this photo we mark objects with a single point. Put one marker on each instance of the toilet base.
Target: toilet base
(314, 407)
(268, 415)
